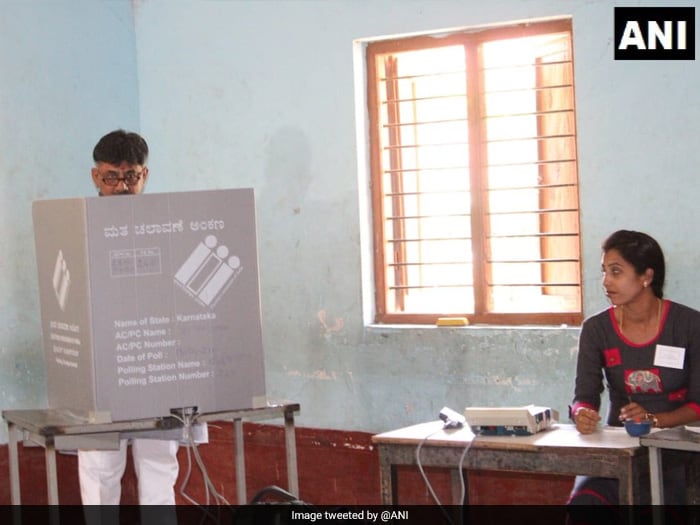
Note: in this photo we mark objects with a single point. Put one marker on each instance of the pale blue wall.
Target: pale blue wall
(262, 94)
(67, 76)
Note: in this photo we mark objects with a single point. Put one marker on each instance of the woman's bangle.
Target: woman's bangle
(654, 420)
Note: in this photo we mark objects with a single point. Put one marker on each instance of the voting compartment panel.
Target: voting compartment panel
(174, 303)
(61, 253)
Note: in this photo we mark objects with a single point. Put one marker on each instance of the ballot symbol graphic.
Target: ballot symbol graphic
(61, 280)
(208, 272)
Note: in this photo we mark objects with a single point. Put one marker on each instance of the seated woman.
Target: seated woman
(645, 348)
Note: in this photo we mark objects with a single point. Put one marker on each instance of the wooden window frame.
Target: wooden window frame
(479, 247)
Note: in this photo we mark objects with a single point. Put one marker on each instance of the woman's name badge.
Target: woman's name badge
(669, 356)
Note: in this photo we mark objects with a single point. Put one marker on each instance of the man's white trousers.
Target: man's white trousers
(155, 461)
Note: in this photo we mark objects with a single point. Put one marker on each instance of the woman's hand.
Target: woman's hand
(586, 420)
(632, 411)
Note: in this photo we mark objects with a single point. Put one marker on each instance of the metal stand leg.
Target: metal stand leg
(655, 473)
(240, 462)
(291, 450)
(13, 432)
(51, 474)
(657, 485)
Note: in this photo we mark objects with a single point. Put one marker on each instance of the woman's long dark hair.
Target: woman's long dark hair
(642, 252)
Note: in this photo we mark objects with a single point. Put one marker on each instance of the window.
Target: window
(474, 176)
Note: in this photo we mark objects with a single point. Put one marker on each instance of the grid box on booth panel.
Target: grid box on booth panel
(150, 303)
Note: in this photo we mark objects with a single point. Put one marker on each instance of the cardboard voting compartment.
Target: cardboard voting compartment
(150, 303)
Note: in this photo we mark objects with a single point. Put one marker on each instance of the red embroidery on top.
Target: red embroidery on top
(643, 381)
(678, 395)
(612, 357)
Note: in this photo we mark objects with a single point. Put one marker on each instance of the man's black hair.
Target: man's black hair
(121, 146)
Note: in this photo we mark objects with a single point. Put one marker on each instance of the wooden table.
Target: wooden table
(610, 452)
(62, 430)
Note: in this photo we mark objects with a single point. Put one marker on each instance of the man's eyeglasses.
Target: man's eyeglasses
(130, 178)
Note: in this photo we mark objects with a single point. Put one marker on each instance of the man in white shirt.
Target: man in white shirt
(120, 169)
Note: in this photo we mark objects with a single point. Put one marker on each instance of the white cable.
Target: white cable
(463, 486)
(425, 477)
(186, 479)
(420, 466)
(462, 482)
(189, 420)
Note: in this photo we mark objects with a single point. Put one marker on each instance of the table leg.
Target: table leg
(291, 450)
(387, 477)
(656, 477)
(626, 483)
(15, 497)
(458, 500)
(242, 493)
(456, 485)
